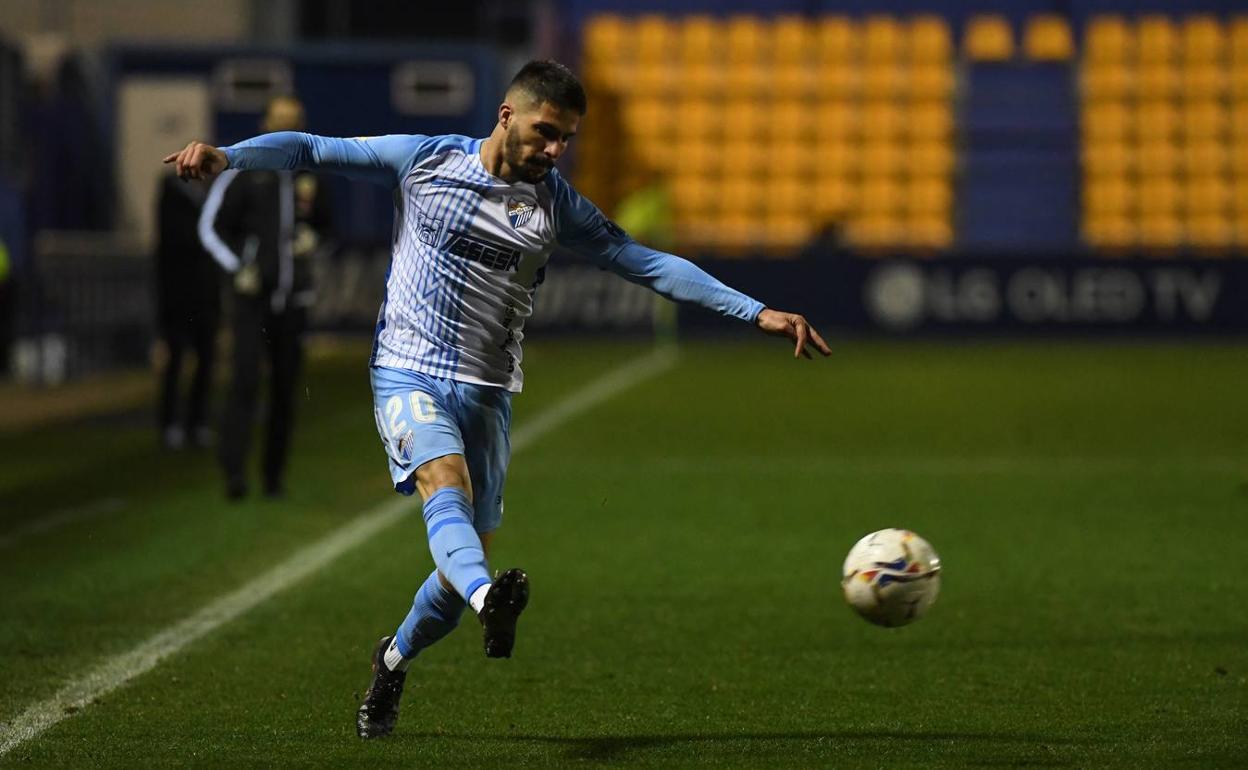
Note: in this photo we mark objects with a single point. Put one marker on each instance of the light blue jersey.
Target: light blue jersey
(469, 249)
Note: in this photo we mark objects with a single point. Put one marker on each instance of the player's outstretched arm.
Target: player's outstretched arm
(198, 161)
(381, 159)
(796, 328)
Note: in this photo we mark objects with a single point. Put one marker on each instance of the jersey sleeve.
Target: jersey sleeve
(379, 159)
(582, 228)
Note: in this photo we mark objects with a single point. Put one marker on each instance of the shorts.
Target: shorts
(421, 418)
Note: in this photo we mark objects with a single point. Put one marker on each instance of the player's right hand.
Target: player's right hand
(198, 161)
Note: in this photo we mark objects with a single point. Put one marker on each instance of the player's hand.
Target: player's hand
(794, 327)
(198, 161)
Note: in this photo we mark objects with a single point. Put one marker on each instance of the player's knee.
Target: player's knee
(443, 472)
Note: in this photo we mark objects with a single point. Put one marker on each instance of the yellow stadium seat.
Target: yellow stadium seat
(883, 80)
(929, 196)
(882, 39)
(838, 158)
(789, 160)
(877, 231)
(1239, 122)
(835, 121)
(931, 81)
(1109, 196)
(787, 232)
(697, 118)
(648, 117)
(606, 38)
(1238, 163)
(1163, 232)
(833, 198)
(1157, 39)
(989, 38)
(693, 196)
(1238, 81)
(930, 40)
(1155, 120)
(742, 195)
(651, 79)
(744, 118)
(748, 77)
(791, 120)
(697, 156)
(1204, 120)
(1157, 81)
(701, 39)
(879, 196)
(745, 39)
(1238, 38)
(836, 39)
(1108, 39)
(1159, 158)
(1206, 156)
(1158, 197)
(655, 39)
(745, 156)
(1240, 220)
(1203, 39)
(881, 158)
(1210, 232)
(929, 232)
(929, 120)
(793, 40)
(929, 158)
(1104, 81)
(1108, 121)
(1206, 195)
(1106, 158)
(1110, 232)
(1047, 38)
(1203, 81)
(788, 196)
(880, 120)
(794, 81)
(702, 81)
(835, 82)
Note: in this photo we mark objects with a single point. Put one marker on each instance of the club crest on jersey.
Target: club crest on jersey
(519, 212)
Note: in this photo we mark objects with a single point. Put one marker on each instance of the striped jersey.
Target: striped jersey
(469, 249)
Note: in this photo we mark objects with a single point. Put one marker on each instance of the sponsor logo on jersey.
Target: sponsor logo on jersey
(491, 255)
(519, 212)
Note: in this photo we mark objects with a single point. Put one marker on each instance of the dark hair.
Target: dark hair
(550, 81)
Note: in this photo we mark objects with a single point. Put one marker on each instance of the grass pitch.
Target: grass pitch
(684, 541)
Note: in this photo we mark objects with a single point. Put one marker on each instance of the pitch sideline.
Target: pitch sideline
(120, 669)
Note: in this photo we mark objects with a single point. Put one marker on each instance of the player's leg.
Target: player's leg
(244, 391)
(285, 348)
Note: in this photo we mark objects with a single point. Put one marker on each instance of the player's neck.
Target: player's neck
(492, 157)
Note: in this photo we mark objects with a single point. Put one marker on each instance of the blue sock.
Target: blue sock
(455, 545)
(435, 613)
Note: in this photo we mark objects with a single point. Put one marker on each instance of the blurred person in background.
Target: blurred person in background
(263, 227)
(188, 307)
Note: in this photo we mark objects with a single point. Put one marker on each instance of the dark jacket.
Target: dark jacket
(188, 281)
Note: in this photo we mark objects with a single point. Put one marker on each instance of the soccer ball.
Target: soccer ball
(891, 577)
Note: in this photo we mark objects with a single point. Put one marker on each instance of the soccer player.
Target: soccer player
(475, 221)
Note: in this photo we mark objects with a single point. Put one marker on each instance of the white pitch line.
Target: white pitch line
(120, 669)
(60, 518)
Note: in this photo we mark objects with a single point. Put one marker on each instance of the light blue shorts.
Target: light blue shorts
(421, 418)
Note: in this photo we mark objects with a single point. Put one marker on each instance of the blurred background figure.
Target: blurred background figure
(263, 228)
(188, 306)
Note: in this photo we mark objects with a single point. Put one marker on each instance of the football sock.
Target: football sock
(455, 545)
(435, 612)
(477, 600)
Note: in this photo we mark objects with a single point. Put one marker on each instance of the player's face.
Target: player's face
(536, 137)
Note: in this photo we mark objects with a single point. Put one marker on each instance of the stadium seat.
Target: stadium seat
(1162, 231)
(788, 197)
(1105, 81)
(1159, 158)
(791, 121)
(1158, 197)
(744, 118)
(881, 158)
(835, 39)
(835, 121)
(838, 158)
(704, 80)
(1155, 121)
(1203, 157)
(745, 156)
(697, 118)
(701, 39)
(693, 197)
(1203, 39)
(748, 77)
(988, 38)
(928, 197)
(1107, 158)
(1108, 121)
(879, 196)
(1157, 81)
(1111, 196)
(789, 81)
(1204, 120)
(930, 40)
(1108, 40)
(1203, 81)
(606, 38)
(1238, 160)
(929, 158)
(697, 156)
(833, 198)
(745, 39)
(651, 79)
(836, 81)
(793, 40)
(882, 40)
(742, 195)
(1238, 122)
(929, 120)
(1210, 232)
(1047, 38)
(1113, 233)
(790, 159)
(883, 80)
(1206, 196)
(1238, 80)
(785, 232)
(1157, 39)
(877, 231)
(881, 120)
(929, 232)
(655, 40)
(931, 81)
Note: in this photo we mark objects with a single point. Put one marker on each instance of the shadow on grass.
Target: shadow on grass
(623, 747)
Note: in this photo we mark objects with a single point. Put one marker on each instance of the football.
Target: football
(891, 577)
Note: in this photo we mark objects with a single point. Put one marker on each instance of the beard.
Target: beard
(532, 170)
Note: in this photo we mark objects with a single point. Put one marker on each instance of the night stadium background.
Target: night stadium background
(1022, 225)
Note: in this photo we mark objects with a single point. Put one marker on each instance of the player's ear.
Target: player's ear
(505, 113)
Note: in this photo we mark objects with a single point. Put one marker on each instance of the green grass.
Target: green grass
(1090, 505)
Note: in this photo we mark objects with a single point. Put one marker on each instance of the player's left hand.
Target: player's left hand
(794, 327)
